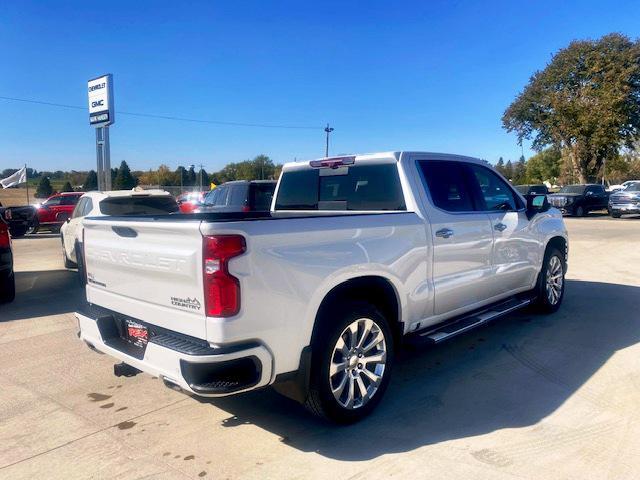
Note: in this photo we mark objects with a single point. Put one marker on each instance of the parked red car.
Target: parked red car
(189, 201)
(55, 210)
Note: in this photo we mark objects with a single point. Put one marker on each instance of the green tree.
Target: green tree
(44, 189)
(203, 179)
(190, 178)
(67, 187)
(544, 166)
(124, 180)
(500, 166)
(520, 172)
(91, 181)
(508, 170)
(585, 102)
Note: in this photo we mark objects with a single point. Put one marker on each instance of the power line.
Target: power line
(167, 117)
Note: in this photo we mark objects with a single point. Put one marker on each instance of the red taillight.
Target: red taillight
(221, 289)
(246, 208)
(5, 239)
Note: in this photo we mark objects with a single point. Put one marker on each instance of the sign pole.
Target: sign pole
(101, 115)
(100, 162)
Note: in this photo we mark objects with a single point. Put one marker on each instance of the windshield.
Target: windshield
(572, 189)
(633, 187)
(138, 205)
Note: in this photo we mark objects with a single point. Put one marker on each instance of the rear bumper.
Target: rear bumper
(199, 369)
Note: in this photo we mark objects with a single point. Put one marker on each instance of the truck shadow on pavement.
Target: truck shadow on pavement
(42, 293)
(509, 374)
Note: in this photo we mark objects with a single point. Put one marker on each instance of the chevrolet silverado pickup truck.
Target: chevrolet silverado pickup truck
(358, 256)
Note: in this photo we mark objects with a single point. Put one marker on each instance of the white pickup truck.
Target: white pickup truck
(358, 256)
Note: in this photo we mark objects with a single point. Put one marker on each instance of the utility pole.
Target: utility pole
(328, 130)
(200, 180)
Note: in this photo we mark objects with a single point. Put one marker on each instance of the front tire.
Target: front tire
(550, 287)
(579, 211)
(351, 364)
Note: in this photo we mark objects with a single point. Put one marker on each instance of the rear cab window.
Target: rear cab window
(368, 187)
(138, 205)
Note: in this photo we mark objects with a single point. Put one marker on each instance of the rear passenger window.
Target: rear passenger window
(360, 188)
(220, 199)
(69, 199)
(446, 185)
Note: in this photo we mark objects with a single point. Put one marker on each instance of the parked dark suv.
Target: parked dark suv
(239, 196)
(540, 189)
(579, 200)
(20, 219)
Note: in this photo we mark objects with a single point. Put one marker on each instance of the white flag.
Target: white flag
(17, 178)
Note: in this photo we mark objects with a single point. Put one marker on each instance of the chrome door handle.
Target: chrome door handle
(500, 227)
(444, 233)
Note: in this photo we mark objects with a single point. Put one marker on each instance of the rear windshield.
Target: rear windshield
(261, 195)
(572, 189)
(361, 188)
(138, 205)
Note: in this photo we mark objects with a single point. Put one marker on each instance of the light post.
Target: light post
(328, 129)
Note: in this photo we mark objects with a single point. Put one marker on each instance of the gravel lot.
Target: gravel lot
(552, 397)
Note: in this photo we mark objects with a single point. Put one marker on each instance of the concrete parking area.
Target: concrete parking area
(529, 396)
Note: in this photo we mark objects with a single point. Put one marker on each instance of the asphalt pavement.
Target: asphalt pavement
(529, 396)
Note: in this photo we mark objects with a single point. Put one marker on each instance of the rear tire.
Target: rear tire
(82, 280)
(549, 290)
(352, 358)
(7, 288)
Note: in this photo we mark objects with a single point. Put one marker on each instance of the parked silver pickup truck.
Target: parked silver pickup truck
(358, 256)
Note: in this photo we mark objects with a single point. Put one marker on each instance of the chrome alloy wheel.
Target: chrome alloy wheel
(358, 363)
(555, 280)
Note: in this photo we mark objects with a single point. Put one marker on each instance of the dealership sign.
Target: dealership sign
(101, 101)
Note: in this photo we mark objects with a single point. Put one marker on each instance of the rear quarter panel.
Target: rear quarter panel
(291, 264)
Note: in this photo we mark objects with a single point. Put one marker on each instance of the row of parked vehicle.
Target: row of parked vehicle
(64, 212)
(579, 200)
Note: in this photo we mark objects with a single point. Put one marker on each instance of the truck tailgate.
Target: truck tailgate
(148, 270)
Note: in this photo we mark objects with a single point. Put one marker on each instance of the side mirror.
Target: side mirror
(68, 219)
(536, 204)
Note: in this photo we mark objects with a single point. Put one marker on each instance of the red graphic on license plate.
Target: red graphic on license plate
(138, 334)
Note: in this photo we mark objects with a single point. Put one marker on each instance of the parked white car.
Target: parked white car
(622, 186)
(116, 203)
(358, 255)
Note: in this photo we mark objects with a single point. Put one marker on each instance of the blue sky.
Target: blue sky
(423, 75)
